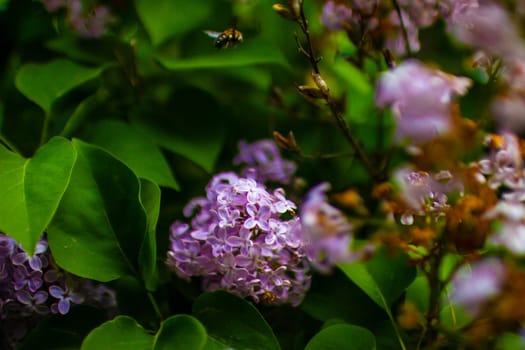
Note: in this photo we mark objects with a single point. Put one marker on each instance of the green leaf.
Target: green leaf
(341, 337)
(164, 19)
(121, 333)
(337, 297)
(383, 278)
(150, 198)
(45, 83)
(32, 189)
(253, 53)
(181, 332)
(4, 4)
(61, 332)
(100, 224)
(233, 322)
(191, 130)
(135, 149)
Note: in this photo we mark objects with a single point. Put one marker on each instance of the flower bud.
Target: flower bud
(321, 84)
(284, 12)
(287, 142)
(309, 91)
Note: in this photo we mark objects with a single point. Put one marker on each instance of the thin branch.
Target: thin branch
(403, 27)
(309, 53)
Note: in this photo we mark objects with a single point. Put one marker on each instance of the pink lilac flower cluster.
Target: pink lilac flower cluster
(503, 171)
(425, 193)
(413, 15)
(246, 239)
(474, 285)
(87, 24)
(32, 287)
(421, 99)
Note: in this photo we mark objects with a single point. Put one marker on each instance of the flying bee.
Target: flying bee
(229, 36)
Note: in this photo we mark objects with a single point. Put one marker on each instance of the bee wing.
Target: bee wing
(212, 34)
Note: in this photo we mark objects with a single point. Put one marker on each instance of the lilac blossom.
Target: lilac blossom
(334, 16)
(395, 39)
(32, 287)
(486, 26)
(425, 193)
(475, 285)
(511, 231)
(262, 161)
(326, 232)
(237, 241)
(421, 100)
(87, 23)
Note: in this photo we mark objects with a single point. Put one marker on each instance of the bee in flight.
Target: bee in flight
(229, 36)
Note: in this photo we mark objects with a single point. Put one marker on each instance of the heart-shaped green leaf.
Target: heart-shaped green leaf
(32, 189)
(164, 19)
(232, 322)
(44, 83)
(150, 198)
(100, 224)
(121, 333)
(383, 278)
(180, 332)
(135, 149)
(342, 337)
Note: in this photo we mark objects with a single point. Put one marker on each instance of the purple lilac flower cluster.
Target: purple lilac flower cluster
(87, 24)
(382, 17)
(503, 170)
(32, 287)
(421, 99)
(263, 162)
(238, 242)
(247, 239)
(474, 285)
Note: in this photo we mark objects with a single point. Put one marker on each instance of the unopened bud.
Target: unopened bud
(321, 84)
(310, 91)
(284, 12)
(285, 142)
(295, 5)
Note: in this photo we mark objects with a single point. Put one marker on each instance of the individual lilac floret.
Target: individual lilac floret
(326, 232)
(263, 162)
(334, 16)
(420, 98)
(54, 5)
(237, 241)
(474, 285)
(395, 39)
(425, 193)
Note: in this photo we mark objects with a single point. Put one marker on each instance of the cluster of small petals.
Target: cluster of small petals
(395, 39)
(457, 12)
(511, 233)
(326, 232)
(507, 108)
(425, 193)
(503, 171)
(475, 285)
(87, 24)
(335, 16)
(420, 98)
(262, 162)
(486, 26)
(31, 287)
(237, 241)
